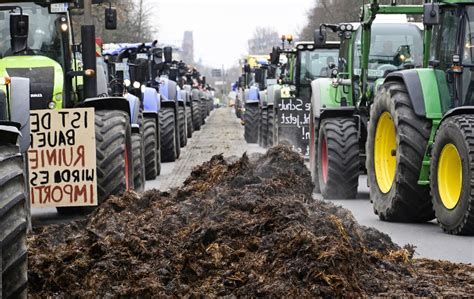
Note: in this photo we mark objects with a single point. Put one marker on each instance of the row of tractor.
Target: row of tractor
(81, 121)
(391, 98)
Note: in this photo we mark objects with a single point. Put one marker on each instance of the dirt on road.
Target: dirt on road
(243, 227)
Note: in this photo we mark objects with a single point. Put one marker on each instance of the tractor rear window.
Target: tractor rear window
(393, 47)
(43, 36)
(316, 64)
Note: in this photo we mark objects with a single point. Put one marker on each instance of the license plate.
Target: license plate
(120, 66)
(142, 56)
(58, 7)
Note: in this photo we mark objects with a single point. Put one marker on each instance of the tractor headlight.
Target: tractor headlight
(64, 27)
(127, 82)
(51, 105)
(343, 27)
(136, 85)
(349, 27)
(143, 88)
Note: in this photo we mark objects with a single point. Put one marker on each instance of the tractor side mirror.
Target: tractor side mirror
(110, 18)
(19, 32)
(320, 36)
(275, 56)
(431, 14)
(168, 53)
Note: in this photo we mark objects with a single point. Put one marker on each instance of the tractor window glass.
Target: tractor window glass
(468, 58)
(392, 47)
(316, 64)
(43, 36)
(444, 38)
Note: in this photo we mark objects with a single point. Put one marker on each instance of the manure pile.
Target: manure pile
(242, 227)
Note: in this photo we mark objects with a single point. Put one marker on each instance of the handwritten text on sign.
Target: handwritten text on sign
(293, 118)
(62, 158)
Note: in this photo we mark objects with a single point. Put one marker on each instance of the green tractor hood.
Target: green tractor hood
(46, 78)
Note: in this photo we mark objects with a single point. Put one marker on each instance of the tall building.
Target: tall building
(188, 47)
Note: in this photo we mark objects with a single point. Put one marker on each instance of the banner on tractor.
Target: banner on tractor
(62, 158)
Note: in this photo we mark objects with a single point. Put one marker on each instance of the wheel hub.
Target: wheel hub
(385, 147)
(450, 176)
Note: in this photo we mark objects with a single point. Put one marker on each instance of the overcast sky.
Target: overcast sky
(222, 27)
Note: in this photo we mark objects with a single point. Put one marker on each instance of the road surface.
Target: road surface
(223, 134)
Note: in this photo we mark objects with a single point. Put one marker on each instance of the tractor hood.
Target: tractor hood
(46, 78)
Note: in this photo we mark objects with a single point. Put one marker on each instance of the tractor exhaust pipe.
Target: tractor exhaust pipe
(88, 51)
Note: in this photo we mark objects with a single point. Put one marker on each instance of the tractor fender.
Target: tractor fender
(195, 95)
(412, 81)
(251, 95)
(134, 104)
(263, 98)
(273, 92)
(458, 111)
(323, 96)
(107, 103)
(168, 89)
(151, 100)
(9, 132)
(20, 109)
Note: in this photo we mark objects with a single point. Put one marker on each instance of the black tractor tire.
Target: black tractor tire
(203, 112)
(197, 121)
(338, 158)
(271, 126)
(13, 223)
(263, 128)
(313, 154)
(251, 118)
(158, 148)
(114, 158)
(168, 135)
(459, 218)
(150, 139)
(183, 136)
(189, 123)
(406, 201)
(138, 159)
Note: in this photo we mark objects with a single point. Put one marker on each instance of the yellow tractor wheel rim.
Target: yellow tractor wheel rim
(449, 176)
(385, 152)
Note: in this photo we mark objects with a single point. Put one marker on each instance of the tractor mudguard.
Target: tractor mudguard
(168, 89)
(273, 92)
(323, 97)
(9, 132)
(20, 109)
(425, 91)
(134, 103)
(251, 95)
(458, 111)
(107, 103)
(151, 101)
(263, 99)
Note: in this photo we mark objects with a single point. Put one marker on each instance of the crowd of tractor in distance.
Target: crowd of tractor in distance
(390, 97)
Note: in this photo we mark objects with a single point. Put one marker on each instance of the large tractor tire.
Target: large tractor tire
(313, 154)
(168, 135)
(338, 158)
(138, 160)
(197, 121)
(396, 144)
(114, 154)
(183, 136)
(452, 169)
(251, 123)
(271, 126)
(151, 147)
(13, 223)
(203, 111)
(158, 149)
(263, 128)
(189, 123)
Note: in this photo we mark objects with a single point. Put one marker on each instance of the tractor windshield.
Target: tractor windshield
(316, 64)
(43, 36)
(393, 47)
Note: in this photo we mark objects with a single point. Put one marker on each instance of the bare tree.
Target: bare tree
(262, 41)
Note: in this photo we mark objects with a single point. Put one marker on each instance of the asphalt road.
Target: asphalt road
(224, 134)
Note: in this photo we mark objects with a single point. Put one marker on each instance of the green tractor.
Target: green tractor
(369, 52)
(420, 145)
(305, 63)
(14, 208)
(37, 43)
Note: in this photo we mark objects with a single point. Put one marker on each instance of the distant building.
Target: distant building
(187, 47)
